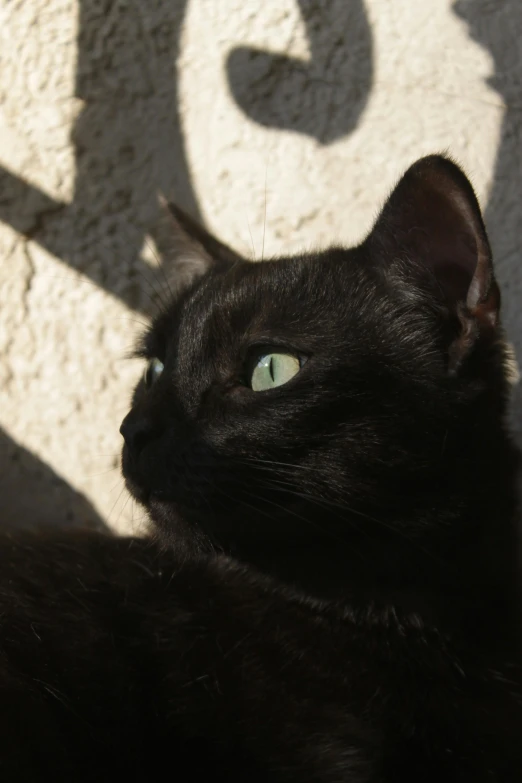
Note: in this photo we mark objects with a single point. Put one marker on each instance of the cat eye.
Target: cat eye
(274, 369)
(152, 372)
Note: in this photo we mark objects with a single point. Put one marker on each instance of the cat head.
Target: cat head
(331, 396)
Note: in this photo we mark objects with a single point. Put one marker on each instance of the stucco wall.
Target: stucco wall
(301, 111)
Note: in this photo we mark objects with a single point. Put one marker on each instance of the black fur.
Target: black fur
(384, 465)
(118, 663)
(332, 595)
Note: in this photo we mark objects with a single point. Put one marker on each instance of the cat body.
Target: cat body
(330, 591)
(117, 661)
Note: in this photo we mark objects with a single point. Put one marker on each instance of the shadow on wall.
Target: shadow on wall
(323, 97)
(32, 494)
(128, 144)
(497, 26)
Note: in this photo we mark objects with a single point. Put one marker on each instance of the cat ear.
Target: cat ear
(433, 225)
(189, 249)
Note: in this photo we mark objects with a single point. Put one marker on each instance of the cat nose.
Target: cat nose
(137, 431)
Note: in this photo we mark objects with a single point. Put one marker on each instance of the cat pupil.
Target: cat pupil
(274, 369)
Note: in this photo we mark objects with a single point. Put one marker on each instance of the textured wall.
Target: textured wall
(283, 124)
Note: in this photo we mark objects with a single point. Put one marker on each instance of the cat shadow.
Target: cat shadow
(31, 493)
(498, 28)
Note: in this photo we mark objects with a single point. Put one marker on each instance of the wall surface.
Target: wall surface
(282, 124)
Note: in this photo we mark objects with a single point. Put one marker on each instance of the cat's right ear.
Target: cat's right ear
(189, 249)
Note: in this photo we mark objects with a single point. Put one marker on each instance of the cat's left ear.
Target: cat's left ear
(189, 249)
(433, 226)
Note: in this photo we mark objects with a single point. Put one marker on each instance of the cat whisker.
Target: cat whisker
(143, 324)
(264, 219)
(261, 462)
(340, 507)
(245, 503)
(251, 239)
(129, 497)
(114, 506)
(100, 473)
(120, 481)
(159, 301)
(308, 521)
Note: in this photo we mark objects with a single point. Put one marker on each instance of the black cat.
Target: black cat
(333, 594)
(337, 419)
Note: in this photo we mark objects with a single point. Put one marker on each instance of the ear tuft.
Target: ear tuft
(189, 249)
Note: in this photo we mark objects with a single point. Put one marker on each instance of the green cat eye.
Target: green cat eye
(274, 369)
(152, 372)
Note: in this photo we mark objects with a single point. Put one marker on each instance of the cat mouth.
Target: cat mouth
(146, 496)
(174, 491)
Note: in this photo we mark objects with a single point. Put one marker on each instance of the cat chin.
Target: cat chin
(137, 492)
(176, 530)
(168, 514)
(155, 506)
(162, 513)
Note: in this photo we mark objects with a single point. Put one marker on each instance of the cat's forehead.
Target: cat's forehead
(302, 303)
(282, 294)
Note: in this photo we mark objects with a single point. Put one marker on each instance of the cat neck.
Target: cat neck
(460, 574)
